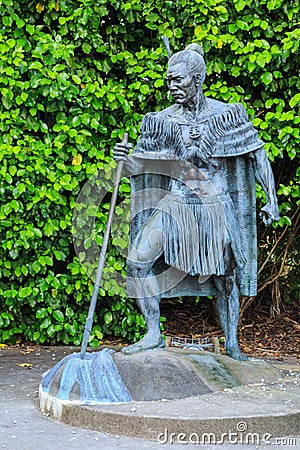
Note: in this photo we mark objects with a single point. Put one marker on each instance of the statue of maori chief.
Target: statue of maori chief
(203, 228)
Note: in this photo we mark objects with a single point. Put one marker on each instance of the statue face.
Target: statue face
(182, 84)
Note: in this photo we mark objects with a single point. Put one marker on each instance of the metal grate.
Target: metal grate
(195, 344)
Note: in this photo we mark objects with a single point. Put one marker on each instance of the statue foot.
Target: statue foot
(148, 342)
(235, 353)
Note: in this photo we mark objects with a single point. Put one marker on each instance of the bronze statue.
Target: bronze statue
(200, 157)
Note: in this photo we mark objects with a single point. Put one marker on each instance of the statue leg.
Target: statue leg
(153, 339)
(229, 308)
(142, 283)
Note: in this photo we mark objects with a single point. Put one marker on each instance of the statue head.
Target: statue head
(186, 73)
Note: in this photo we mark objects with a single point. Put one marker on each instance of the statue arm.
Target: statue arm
(264, 175)
(131, 165)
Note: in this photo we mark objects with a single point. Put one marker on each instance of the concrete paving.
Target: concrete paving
(23, 427)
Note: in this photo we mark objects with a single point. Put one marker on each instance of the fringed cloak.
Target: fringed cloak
(226, 133)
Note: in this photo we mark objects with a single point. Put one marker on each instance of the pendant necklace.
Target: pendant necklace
(195, 127)
(194, 131)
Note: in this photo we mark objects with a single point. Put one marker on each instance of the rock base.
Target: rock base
(189, 392)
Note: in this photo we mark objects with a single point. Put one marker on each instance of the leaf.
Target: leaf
(108, 318)
(198, 29)
(294, 100)
(86, 47)
(45, 323)
(7, 21)
(36, 266)
(39, 7)
(76, 121)
(152, 17)
(144, 89)
(178, 33)
(98, 333)
(76, 79)
(6, 102)
(35, 65)
(15, 205)
(77, 160)
(25, 292)
(267, 77)
(58, 315)
(151, 25)
(41, 313)
(48, 229)
(239, 5)
(26, 365)
(27, 351)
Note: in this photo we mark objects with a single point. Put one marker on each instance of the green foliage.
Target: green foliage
(73, 77)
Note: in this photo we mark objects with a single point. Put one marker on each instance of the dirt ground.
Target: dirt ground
(259, 334)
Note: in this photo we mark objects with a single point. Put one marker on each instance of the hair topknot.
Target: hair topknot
(192, 57)
(195, 48)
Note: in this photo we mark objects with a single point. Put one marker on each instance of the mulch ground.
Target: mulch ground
(259, 334)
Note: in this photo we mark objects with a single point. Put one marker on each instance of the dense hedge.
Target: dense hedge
(74, 75)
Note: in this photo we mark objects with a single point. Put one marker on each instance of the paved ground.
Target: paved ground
(23, 427)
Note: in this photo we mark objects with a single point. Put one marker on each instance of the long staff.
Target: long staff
(89, 320)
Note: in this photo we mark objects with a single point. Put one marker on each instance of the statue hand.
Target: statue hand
(121, 150)
(269, 213)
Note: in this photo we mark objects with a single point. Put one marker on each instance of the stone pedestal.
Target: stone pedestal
(181, 391)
